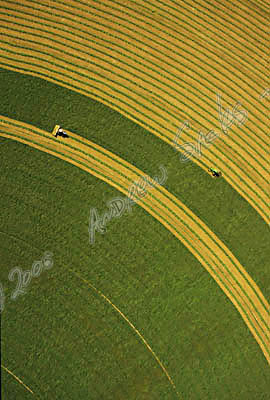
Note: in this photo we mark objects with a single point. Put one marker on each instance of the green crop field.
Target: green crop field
(72, 335)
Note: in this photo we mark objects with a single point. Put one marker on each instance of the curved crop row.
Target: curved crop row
(174, 215)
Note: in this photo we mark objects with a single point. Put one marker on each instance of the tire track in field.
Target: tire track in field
(17, 379)
(132, 327)
(174, 215)
(257, 179)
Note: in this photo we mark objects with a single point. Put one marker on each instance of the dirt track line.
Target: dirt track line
(17, 379)
(132, 327)
(236, 293)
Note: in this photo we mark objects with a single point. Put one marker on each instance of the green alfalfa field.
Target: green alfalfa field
(62, 338)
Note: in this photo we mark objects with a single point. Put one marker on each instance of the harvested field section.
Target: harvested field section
(149, 105)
